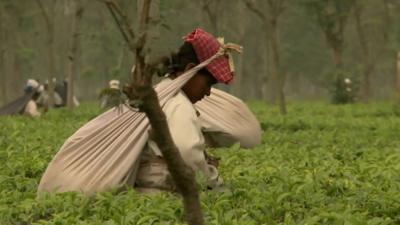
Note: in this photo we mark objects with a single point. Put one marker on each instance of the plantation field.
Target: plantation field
(322, 164)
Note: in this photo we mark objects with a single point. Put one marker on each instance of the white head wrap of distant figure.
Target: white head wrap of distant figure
(114, 84)
(32, 83)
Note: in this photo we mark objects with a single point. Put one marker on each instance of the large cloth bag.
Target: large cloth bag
(226, 120)
(105, 152)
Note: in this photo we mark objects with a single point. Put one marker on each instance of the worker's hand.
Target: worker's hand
(212, 160)
(215, 182)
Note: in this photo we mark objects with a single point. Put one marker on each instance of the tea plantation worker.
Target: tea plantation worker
(111, 96)
(43, 100)
(349, 90)
(182, 117)
(61, 88)
(26, 104)
(190, 119)
(116, 148)
(31, 108)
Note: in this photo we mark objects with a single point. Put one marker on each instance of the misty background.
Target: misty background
(368, 33)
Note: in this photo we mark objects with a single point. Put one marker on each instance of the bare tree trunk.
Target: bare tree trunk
(50, 42)
(77, 10)
(387, 19)
(211, 9)
(3, 70)
(398, 78)
(269, 83)
(270, 20)
(337, 59)
(239, 82)
(367, 70)
(275, 68)
(14, 75)
(121, 58)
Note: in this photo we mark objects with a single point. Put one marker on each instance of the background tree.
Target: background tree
(212, 14)
(366, 58)
(48, 16)
(237, 27)
(274, 9)
(331, 16)
(398, 79)
(3, 33)
(76, 9)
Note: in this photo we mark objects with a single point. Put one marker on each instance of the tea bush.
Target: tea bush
(321, 164)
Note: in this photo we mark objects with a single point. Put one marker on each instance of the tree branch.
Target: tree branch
(120, 27)
(122, 21)
(44, 13)
(250, 5)
(141, 89)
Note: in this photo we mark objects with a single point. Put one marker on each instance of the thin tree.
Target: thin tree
(398, 79)
(10, 48)
(332, 17)
(77, 11)
(48, 18)
(211, 12)
(142, 92)
(370, 59)
(240, 32)
(368, 65)
(3, 37)
(274, 9)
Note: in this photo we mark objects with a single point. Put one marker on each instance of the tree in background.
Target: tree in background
(274, 9)
(331, 16)
(76, 9)
(398, 79)
(12, 47)
(368, 64)
(238, 28)
(374, 45)
(48, 16)
(3, 33)
(211, 11)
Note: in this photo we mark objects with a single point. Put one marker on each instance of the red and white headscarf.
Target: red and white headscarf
(206, 45)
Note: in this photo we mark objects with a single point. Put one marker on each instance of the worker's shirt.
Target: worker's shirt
(31, 109)
(43, 99)
(185, 129)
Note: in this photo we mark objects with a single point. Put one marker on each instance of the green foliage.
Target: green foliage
(322, 164)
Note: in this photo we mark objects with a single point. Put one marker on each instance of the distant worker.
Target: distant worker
(62, 91)
(111, 96)
(26, 104)
(348, 90)
(43, 99)
(60, 95)
(31, 108)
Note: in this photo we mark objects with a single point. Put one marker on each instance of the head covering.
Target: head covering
(206, 45)
(31, 85)
(114, 84)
